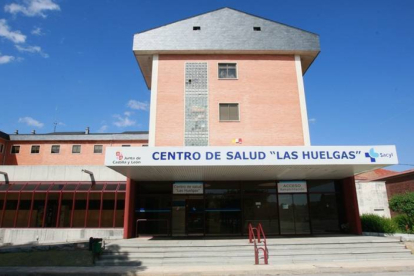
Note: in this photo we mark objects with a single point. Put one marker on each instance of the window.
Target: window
(126, 145)
(15, 149)
(55, 149)
(196, 28)
(227, 71)
(257, 29)
(97, 149)
(1, 148)
(229, 112)
(35, 149)
(76, 148)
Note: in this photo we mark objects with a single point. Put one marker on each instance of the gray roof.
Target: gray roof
(225, 31)
(81, 136)
(3, 135)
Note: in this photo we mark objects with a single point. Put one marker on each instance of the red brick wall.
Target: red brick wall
(399, 185)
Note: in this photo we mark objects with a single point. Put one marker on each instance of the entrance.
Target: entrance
(294, 214)
(187, 215)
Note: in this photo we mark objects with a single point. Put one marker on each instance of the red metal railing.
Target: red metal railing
(252, 239)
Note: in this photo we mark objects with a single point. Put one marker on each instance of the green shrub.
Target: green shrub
(404, 204)
(404, 224)
(375, 223)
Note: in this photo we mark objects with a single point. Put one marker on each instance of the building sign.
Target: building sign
(291, 187)
(193, 188)
(233, 156)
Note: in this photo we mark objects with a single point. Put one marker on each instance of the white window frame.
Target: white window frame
(238, 109)
(31, 148)
(98, 152)
(80, 149)
(11, 149)
(227, 62)
(51, 147)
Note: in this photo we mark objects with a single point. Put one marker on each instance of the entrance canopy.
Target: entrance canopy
(247, 163)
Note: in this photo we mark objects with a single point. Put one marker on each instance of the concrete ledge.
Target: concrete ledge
(401, 236)
(20, 236)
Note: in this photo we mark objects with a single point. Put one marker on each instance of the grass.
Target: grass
(47, 258)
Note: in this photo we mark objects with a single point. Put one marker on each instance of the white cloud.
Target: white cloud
(103, 128)
(123, 121)
(14, 36)
(37, 31)
(32, 7)
(137, 105)
(31, 122)
(6, 59)
(32, 49)
(312, 120)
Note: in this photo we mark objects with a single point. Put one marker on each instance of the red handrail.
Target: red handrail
(252, 239)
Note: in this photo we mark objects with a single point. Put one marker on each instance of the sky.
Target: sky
(69, 64)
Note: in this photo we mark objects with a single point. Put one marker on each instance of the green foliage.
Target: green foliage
(375, 223)
(404, 224)
(404, 204)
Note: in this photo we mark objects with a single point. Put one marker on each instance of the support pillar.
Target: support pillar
(351, 205)
(129, 212)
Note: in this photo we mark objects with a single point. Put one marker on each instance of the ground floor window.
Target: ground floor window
(227, 208)
(62, 205)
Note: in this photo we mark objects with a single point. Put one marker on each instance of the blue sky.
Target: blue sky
(71, 62)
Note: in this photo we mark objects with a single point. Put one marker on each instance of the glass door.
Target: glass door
(195, 216)
(294, 214)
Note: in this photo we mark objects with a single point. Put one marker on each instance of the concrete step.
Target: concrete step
(249, 260)
(250, 252)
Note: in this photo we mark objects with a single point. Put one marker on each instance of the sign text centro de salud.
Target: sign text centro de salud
(233, 156)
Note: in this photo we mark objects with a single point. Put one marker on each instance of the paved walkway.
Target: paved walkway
(404, 267)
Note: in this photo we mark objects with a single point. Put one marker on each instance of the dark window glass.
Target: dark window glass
(66, 209)
(35, 149)
(259, 187)
(1, 148)
(97, 149)
(10, 211)
(321, 186)
(15, 149)
(223, 214)
(16, 187)
(154, 188)
(227, 71)
(4, 187)
(38, 210)
(222, 188)
(94, 209)
(76, 148)
(122, 187)
(229, 112)
(55, 149)
(30, 187)
(157, 211)
(120, 205)
(57, 187)
(2, 195)
(84, 187)
(108, 206)
(43, 187)
(196, 28)
(257, 29)
(126, 146)
(24, 210)
(324, 213)
(261, 209)
(80, 210)
(70, 187)
(111, 187)
(97, 187)
(52, 210)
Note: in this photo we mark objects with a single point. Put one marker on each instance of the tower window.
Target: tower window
(257, 29)
(196, 28)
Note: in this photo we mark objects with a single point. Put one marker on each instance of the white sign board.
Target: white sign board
(193, 188)
(234, 156)
(291, 187)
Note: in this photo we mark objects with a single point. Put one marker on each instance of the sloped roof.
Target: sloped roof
(226, 31)
(375, 174)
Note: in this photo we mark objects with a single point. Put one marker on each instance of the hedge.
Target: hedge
(375, 223)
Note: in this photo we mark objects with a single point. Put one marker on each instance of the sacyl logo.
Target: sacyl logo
(372, 155)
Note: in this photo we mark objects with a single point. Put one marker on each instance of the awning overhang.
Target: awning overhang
(247, 163)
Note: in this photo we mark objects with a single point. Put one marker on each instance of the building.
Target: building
(228, 140)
